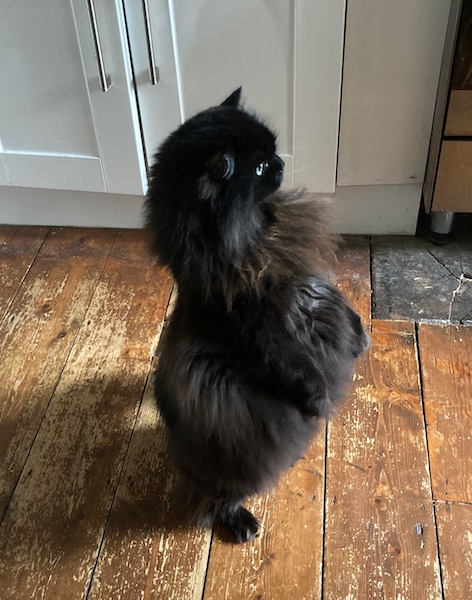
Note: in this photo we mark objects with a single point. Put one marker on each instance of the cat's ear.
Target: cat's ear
(234, 99)
(221, 165)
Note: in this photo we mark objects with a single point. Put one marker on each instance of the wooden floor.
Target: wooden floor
(380, 506)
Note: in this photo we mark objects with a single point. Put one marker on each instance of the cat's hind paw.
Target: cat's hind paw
(240, 525)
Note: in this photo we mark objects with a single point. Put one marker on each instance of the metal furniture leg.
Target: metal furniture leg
(442, 224)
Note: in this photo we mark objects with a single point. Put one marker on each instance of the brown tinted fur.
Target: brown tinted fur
(297, 242)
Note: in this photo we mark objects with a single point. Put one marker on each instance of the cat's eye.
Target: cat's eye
(261, 168)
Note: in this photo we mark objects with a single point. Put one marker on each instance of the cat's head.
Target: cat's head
(245, 162)
(211, 187)
(223, 153)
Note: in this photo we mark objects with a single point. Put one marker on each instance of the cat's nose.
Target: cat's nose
(279, 162)
(279, 169)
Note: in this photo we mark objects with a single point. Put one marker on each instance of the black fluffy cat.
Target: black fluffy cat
(260, 345)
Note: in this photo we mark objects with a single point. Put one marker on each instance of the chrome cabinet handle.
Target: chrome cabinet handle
(104, 79)
(153, 69)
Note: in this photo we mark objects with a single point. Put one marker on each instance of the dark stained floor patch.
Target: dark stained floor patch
(413, 279)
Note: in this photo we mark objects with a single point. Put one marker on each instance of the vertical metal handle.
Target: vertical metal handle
(104, 79)
(153, 69)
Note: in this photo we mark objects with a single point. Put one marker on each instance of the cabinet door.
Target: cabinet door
(286, 54)
(58, 129)
(152, 49)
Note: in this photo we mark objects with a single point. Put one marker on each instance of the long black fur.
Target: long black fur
(260, 345)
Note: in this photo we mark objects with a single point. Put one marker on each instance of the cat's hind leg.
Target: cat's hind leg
(196, 502)
(237, 522)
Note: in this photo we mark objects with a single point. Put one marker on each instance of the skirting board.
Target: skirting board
(377, 209)
(369, 210)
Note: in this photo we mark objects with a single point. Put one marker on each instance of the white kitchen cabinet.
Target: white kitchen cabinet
(58, 129)
(62, 133)
(72, 154)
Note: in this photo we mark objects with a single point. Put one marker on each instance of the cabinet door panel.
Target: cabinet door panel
(45, 105)
(68, 171)
(287, 55)
(57, 128)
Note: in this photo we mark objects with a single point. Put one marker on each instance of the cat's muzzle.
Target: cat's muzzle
(278, 166)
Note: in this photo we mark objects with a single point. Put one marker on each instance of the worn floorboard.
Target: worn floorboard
(86, 481)
(37, 335)
(380, 530)
(52, 530)
(455, 538)
(446, 356)
(145, 554)
(18, 249)
(352, 273)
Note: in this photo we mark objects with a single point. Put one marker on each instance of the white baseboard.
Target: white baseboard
(370, 210)
(377, 209)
